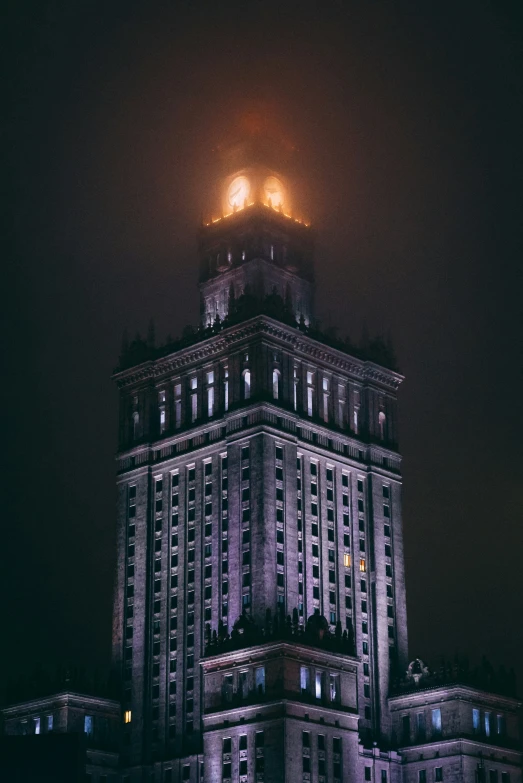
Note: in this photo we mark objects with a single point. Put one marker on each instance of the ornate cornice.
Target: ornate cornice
(264, 325)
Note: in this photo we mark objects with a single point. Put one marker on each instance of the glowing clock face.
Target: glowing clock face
(273, 190)
(238, 192)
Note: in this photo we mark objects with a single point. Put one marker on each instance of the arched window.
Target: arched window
(246, 384)
(275, 384)
(381, 423)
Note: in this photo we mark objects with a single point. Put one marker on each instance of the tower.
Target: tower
(260, 596)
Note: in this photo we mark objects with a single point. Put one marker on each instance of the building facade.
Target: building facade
(258, 477)
(260, 629)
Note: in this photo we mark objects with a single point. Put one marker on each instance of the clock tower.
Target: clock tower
(256, 243)
(260, 605)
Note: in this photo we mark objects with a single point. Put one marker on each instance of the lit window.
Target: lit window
(194, 401)
(295, 377)
(334, 687)
(304, 679)
(275, 384)
(210, 401)
(49, 723)
(436, 721)
(161, 408)
(355, 417)
(318, 685)
(36, 722)
(226, 388)
(127, 716)
(346, 560)
(487, 724)
(381, 423)
(259, 676)
(247, 384)
(88, 725)
(362, 565)
(178, 405)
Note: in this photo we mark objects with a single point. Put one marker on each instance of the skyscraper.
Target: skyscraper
(260, 630)
(260, 546)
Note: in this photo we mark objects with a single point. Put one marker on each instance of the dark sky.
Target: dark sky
(408, 117)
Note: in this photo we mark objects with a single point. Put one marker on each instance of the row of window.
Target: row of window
(318, 393)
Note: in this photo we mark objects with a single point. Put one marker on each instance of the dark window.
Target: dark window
(332, 577)
(368, 773)
(279, 474)
(259, 739)
(348, 580)
(330, 534)
(389, 591)
(208, 468)
(314, 469)
(422, 776)
(132, 492)
(364, 628)
(361, 507)
(314, 529)
(360, 485)
(386, 511)
(315, 592)
(329, 474)
(279, 580)
(385, 492)
(348, 602)
(279, 536)
(386, 531)
(316, 571)
(157, 585)
(243, 741)
(363, 585)
(388, 570)
(438, 775)
(279, 557)
(405, 728)
(192, 474)
(314, 509)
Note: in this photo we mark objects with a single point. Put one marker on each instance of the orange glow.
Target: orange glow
(273, 192)
(238, 192)
(251, 204)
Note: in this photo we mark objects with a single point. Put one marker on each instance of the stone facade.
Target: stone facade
(260, 629)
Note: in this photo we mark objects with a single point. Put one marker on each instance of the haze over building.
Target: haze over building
(260, 628)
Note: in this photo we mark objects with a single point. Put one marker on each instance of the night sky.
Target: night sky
(408, 119)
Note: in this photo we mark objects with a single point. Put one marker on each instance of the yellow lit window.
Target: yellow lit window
(362, 565)
(127, 716)
(346, 560)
